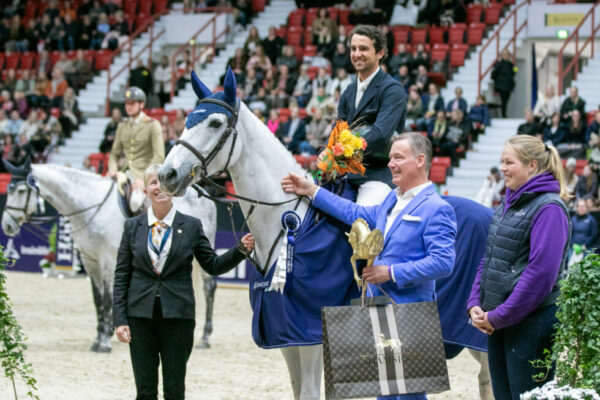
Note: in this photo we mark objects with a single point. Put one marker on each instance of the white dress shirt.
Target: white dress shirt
(361, 87)
(158, 262)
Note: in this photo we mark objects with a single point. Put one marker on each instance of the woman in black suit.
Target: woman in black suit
(153, 305)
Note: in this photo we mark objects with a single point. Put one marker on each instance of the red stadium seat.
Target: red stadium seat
(418, 36)
(400, 34)
(54, 57)
(439, 55)
(445, 161)
(130, 7)
(580, 164)
(294, 38)
(474, 13)
(492, 14)
(160, 6)
(141, 20)
(456, 35)
(438, 78)
(441, 46)
(89, 55)
(299, 53)
(457, 57)
(12, 61)
(308, 36)
(102, 60)
(281, 31)
(344, 17)
(437, 174)
(313, 72)
(258, 5)
(145, 7)
(296, 18)
(310, 17)
(2, 57)
(475, 33)
(437, 35)
(310, 50)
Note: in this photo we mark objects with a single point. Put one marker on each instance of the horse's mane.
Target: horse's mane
(72, 173)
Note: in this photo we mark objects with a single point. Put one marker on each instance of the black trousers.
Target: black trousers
(156, 340)
(511, 350)
(504, 96)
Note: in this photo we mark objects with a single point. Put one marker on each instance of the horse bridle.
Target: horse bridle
(38, 219)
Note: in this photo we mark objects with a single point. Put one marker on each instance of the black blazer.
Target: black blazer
(382, 110)
(136, 284)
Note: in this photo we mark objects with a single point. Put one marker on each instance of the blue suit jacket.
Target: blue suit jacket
(462, 105)
(382, 109)
(419, 245)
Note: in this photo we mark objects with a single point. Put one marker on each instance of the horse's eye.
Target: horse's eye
(215, 123)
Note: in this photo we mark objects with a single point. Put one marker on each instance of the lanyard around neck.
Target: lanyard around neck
(162, 243)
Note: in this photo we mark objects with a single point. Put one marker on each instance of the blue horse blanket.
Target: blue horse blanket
(322, 277)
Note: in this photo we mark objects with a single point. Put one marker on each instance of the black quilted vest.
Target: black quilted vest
(507, 249)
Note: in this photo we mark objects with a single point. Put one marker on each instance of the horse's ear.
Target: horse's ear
(200, 88)
(27, 164)
(9, 167)
(230, 87)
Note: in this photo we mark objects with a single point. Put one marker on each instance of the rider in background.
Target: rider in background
(139, 138)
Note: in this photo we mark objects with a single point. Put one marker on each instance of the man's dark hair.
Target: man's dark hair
(373, 33)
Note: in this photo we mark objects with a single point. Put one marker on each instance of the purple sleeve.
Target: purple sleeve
(475, 296)
(549, 234)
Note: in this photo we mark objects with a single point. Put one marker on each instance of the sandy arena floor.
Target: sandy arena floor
(59, 319)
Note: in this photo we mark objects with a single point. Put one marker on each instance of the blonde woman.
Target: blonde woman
(514, 294)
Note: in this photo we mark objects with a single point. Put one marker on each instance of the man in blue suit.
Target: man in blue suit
(376, 102)
(419, 227)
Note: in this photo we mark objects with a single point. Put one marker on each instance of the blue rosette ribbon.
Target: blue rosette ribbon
(290, 221)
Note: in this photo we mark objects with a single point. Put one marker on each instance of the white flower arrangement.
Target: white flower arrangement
(551, 391)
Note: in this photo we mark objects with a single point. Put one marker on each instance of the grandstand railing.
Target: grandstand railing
(128, 46)
(574, 36)
(495, 38)
(192, 43)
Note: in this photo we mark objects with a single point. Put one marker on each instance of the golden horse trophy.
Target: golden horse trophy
(366, 245)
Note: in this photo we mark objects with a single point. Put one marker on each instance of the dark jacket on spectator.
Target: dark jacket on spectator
(480, 114)
(503, 76)
(297, 136)
(529, 128)
(462, 105)
(576, 134)
(439, 103)
(556, 136)
(568, 105)
(587, 187)
(341, 61)
(585, 230)
(272, 48)
(398, 60)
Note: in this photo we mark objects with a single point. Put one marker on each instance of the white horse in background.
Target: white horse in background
(91, 204)
(223, 134)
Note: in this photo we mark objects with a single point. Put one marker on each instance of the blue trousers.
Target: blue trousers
(511, 349)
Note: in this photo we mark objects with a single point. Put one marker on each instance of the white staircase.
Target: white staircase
(468, 177)
(83, 142)
(467, 76)
(588, 84)
(274, 14)
(92, 98)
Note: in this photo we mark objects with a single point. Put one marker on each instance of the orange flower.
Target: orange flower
(364, 146)
(338, 149)
(334, 161)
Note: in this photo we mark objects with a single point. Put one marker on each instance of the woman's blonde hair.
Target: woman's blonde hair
(152, 170)
(528, 148)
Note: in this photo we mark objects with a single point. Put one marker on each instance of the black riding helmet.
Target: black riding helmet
(135, 93)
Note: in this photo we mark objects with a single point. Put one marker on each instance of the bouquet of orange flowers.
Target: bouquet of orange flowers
(344, 152)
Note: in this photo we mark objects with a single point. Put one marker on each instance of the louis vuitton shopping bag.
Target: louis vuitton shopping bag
(383, 350)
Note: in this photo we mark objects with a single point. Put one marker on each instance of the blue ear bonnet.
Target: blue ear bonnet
(203, 110)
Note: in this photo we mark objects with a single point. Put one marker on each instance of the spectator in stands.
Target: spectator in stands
(70, 31)
(251, 83)
(293, 132)
(319, 61)
(10, 150)
(80, 72)
(479, 116)
(403, 76)
(414, 107)
(13, 127)
(273, 121)
(319, 101)
(323, 21)
(32, 35)
(111, 130)
(11, 80)
(6, 101)
(458, 103)
(141, 77)
(51, 134)
(25, 83)
(259, 62)
(318, 130)
(63, 63)
(491, 189)
(342, 36)
(188, 7)
(420, 57)
(422, 78)
(364, 12)
(252, 41)
(571, 177)
(322, 80)
(503, 76)
(29, 128)
(269, 81)
(288, 59)
(530, 126)
(341, 58)
(277, 98)
(56, 35)
(52, 10)
(84, 7)
(457, 136)
(167, 133)
(86, 33)
(44, 65)
(20, 103)
(432, 103)
(70, 116)
(401, 58)
(325, 43)
(162, 80)
(16, 36)
(341, 81)
(3, 122)
(555, 133)
(385, 29)
(55, 89)
(436, 131)
(272, 45)
(452, 11)
(573, 102)
(576, 129)
(303, 89)
(285, 81)
(242, 12)
(179, 123)
(547, 106)
(120, 26)
(238, 64)
(585, 227)
(587, 185)
(259, 101)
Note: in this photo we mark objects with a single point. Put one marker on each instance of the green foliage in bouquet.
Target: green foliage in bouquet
(577, 345)
(12, 340)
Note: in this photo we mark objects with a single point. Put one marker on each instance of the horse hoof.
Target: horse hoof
(95, 346)
(103, 349)
(203, 345)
